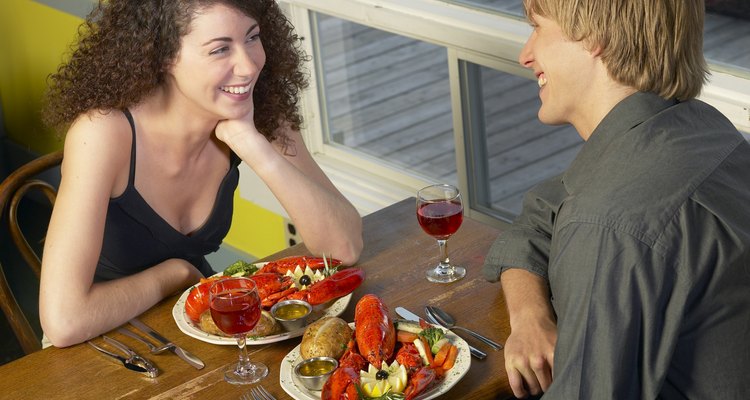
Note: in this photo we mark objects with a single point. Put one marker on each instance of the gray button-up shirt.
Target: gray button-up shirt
(645, 243)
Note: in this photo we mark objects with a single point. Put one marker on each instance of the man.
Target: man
(628, 277)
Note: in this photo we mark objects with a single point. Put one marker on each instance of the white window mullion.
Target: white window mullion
(313, 129)
(459, 133)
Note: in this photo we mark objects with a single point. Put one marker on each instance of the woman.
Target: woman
(164, 99)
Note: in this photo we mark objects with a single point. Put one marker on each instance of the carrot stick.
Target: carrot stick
(441, 355)
(451, 358)
(405, 337)
(427, 350)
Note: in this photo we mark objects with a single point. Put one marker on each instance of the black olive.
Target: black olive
(381, 375)
(305, 280)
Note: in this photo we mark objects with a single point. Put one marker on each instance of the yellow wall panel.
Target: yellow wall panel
(255, 230)
(33, 40)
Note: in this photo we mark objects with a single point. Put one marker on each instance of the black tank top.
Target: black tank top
(136, 237)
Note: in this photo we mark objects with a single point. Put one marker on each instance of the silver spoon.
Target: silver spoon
(473, 350)
(447, 321)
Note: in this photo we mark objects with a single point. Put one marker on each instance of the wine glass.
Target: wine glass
(235, 308)
(440, 213)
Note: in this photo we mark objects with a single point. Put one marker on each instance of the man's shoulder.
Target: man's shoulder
(699, 116)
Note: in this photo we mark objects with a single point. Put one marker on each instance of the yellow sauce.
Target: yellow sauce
(315, 368)
(291, 311)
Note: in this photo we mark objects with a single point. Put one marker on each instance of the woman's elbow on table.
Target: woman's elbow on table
(351, 254)
(350, 247)
(347, 250)
(63, 323)
(62, 331)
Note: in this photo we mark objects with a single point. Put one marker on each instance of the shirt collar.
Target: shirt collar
(626, 115)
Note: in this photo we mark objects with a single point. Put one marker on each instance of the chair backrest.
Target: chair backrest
(12, 190)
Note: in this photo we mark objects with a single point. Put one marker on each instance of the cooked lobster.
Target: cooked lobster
(274, 287)
(374, 330)
(374, 342)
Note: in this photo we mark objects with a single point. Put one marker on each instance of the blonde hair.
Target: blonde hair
(650, 45)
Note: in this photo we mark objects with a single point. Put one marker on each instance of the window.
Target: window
(387, 96)
(411, 92)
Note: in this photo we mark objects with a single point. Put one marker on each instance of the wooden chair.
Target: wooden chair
(12, 190)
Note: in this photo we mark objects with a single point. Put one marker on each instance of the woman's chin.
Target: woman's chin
(236, 113)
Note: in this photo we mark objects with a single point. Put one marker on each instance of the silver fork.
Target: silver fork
(258, 393)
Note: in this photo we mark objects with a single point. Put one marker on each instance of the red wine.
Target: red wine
(236, 311)
(440, 219)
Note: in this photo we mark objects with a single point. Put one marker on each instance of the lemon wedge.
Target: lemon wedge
(376, 382)
(376, 389)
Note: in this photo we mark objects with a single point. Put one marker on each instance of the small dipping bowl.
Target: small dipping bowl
(314, 372)
(291, 314)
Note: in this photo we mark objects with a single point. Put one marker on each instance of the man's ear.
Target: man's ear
(596, 49)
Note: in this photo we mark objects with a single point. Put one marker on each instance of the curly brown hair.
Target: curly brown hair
(125, 47)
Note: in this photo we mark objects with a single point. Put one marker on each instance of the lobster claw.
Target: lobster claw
(419, 382)
(409, 357)
(272, 287)
(341, 385)
(337, 285)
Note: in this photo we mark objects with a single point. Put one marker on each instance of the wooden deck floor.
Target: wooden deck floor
(388, 96)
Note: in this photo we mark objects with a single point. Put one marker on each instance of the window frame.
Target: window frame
(469, 34)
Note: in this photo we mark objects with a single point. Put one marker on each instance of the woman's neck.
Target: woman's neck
(170, 128)
(175, 119)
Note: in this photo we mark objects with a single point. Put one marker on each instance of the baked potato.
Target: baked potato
(267, 325)
(326, 337)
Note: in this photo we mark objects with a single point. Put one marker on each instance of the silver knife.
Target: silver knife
(404, 313)
(182, 353)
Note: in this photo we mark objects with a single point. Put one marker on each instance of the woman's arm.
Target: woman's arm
(73, 308)
(326, 220)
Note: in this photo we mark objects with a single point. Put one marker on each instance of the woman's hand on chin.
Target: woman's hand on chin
(244, 139)
(233, 131)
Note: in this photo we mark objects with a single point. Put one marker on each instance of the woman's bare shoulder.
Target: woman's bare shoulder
(102, 139)
(105, 131)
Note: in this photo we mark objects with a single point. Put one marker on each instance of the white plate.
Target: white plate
(294, 387)
(188, 327)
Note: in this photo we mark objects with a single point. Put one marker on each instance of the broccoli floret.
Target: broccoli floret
(432, 335)
(240, 268)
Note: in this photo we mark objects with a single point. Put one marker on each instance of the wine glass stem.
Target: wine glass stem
(244, 363)
(445, 262)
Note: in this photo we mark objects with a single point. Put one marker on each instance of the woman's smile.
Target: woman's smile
(237, 89)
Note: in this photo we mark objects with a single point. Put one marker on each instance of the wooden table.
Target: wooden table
(395, 257)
